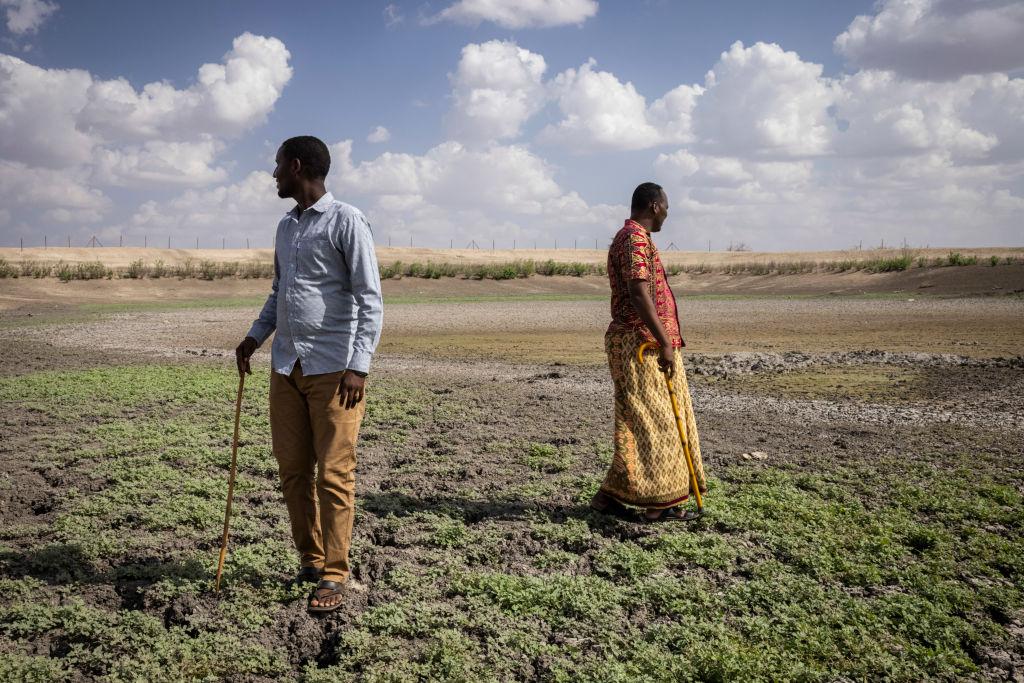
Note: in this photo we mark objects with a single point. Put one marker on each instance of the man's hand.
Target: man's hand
(351, 389)
(242, 354)
(667, 360)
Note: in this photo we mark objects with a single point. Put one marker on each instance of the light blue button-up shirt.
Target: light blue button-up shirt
(325, 302)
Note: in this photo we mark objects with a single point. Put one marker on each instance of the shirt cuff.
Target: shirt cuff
(260, 333)
(360, 361)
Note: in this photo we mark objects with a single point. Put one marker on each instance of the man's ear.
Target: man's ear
(296, 165)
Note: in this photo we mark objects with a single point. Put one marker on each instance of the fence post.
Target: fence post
(23, 244)
(69, 241)
(44, 241)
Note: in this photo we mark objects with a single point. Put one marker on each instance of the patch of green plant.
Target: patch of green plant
(20, 668)
(543, 457)
(450, 533)
(709, 551)
(626, 561)
(955, 258)
(7, 269)
(136, 270)
(393, 411)
(888, 264)
(554, 559)
(132, 645)
(36, 269)
(89, 270)
(555, 599)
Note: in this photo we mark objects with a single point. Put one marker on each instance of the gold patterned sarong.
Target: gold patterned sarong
(649, 468)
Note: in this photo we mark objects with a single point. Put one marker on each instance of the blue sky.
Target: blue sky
(822, 125)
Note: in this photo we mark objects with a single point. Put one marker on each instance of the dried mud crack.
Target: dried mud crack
(878, 533)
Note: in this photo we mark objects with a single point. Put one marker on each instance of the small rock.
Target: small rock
(759, 455)
(746, 456)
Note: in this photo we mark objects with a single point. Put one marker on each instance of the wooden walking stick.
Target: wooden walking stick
(231, 482)
(679, 426)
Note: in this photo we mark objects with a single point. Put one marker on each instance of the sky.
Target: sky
(781, 126)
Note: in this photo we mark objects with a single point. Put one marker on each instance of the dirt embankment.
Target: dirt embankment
(947, 282)
(121, 257)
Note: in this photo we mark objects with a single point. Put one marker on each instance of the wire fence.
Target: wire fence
(146, 242)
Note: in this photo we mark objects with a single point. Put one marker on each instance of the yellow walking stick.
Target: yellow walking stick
(231, 482)
(679, 425)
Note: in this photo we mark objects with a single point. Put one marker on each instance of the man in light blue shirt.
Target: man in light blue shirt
(326, 307)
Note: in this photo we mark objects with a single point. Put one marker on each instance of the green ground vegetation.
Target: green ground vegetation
(889, 568)
(521, 268)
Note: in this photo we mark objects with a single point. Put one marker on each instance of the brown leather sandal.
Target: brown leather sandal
(324, 589)
(672, 514)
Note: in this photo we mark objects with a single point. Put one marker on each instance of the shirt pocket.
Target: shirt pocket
(316, 257)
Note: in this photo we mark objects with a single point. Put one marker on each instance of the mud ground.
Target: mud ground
(811, 384)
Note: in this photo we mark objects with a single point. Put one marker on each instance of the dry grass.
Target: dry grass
(751, 264)
(117, 257)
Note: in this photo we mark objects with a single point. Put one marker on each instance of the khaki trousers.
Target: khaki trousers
(314, 442)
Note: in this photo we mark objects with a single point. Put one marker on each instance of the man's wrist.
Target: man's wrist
(358, 373)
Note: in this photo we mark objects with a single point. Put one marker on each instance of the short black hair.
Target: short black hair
(311, 151)
(643, 195)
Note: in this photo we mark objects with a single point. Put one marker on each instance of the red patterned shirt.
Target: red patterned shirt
(633, 256)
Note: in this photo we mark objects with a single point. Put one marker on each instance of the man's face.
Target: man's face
(660, 211)
(286, 176)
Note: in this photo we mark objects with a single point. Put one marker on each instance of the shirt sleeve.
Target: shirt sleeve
(265, 325)
(639, 264)
(355, 240)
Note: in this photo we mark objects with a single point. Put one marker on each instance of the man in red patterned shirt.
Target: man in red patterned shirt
(649, 468)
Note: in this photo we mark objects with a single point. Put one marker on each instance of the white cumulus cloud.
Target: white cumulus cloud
(518, 14)
(159, 162)
(937, 39)
(82, 132)
(496, 88)
(226, 99)
(458, 192)
(26, 16)
(763, 100)
(599, 111)
(249, 208)
(379, 134)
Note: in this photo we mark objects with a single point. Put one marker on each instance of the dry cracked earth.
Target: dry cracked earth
(509, 435)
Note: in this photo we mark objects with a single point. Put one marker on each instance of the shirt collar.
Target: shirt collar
(320, 206)
(636, 226)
